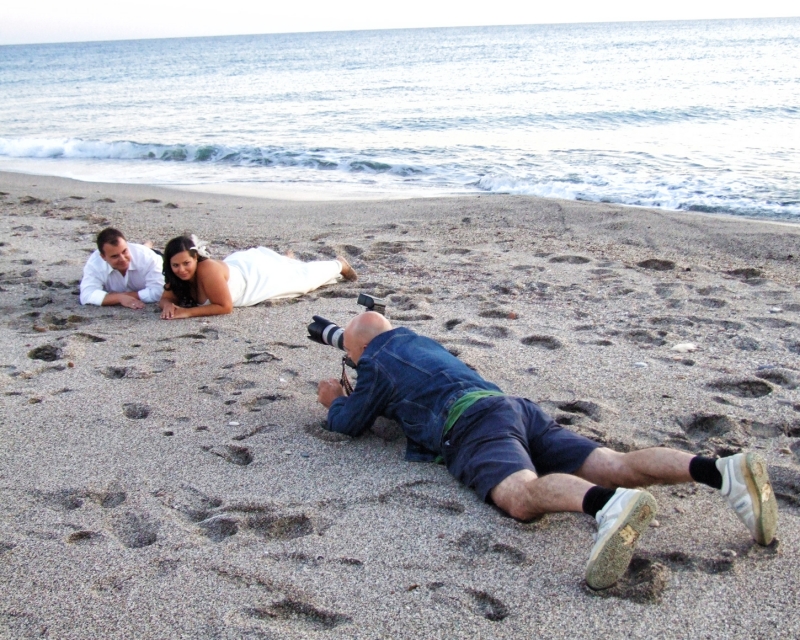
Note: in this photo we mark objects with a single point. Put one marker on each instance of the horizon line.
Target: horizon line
(467, 26)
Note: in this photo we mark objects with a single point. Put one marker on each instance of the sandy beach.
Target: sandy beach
(172, 479)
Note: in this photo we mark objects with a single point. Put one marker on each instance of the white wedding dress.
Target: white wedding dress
(262, 274)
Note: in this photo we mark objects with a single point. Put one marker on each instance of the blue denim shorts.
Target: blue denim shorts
(501, 435)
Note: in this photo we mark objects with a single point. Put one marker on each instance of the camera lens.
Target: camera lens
(334, 336)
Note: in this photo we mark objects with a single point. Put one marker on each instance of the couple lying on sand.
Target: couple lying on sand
(506, 448)
(187, 283)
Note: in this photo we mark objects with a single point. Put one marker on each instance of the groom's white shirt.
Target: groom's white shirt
(144, 276)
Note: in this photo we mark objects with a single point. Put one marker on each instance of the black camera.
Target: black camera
(372, 303)
(327, 332)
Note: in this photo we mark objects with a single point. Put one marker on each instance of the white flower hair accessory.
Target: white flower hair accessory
(200, 247)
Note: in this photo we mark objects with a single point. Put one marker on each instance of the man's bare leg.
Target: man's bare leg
(657, 465)
(626, 515)
(524, 495)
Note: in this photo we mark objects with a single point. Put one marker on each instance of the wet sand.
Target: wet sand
(165, 479)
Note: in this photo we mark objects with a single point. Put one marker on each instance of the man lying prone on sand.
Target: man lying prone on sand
(122, 273)
(515, 455)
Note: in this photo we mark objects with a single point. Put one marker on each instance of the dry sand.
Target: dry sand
(164, 479)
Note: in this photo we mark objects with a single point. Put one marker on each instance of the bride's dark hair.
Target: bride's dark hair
(181, 289)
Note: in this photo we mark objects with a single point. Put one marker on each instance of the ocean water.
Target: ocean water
(700, 116)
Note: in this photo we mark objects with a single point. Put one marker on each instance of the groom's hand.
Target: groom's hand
(131, 302)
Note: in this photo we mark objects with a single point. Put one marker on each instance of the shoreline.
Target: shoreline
(299, 195)
(145, 457)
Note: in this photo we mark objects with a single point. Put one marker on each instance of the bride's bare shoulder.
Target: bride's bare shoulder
(212, 268)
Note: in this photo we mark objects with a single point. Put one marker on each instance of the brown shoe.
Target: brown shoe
(348, 273)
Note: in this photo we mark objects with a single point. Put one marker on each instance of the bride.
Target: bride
(196, 285)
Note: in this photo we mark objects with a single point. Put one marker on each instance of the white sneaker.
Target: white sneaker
(745, 484)
(619, 525)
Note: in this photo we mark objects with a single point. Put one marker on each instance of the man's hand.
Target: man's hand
(129, 299)
(131, 303)
(328, 391)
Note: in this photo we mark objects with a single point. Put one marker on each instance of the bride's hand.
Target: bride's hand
(169, 311)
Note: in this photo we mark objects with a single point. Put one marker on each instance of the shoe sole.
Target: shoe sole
(605, 568)
(765, 506)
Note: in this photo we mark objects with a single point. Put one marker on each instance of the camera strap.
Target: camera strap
(345, 381)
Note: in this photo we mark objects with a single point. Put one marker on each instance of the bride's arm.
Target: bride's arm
(211, 279)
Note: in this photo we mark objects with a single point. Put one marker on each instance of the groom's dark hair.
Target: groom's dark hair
(109, 236)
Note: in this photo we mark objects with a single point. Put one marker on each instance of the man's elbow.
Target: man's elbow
(92, 298)
(345, 427)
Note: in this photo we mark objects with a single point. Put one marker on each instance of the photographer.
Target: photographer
(514, 455)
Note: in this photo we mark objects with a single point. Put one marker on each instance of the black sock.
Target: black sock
(705, 470)
(595, 499)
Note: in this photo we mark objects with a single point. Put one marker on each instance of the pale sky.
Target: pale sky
(30, 21)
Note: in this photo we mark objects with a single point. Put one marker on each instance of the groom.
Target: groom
(122, 273)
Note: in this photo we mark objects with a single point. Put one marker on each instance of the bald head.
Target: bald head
(361, 330)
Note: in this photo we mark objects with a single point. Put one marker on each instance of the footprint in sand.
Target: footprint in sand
(748, 273)
(190, 502)
(786, 484)
(86, 337)
(46, 353)
(542, 342)
(655, 264)
(405, 494)
(773, 323)
(265, 400)
(781, 377)
(643, 337)
(117, 373)
(278, 527)
(709, 303)
(135, 411)
(666, 289)
(64, 499)
(591, 410)
(742, 388)
(488, 606)
(568, 259)
(234, 454)
(83, 536)
(298, 613)
(476, 601)
(705, 424)
(135, 530)
(764, 429)
(110, 498)
(499, 314)
(219, 527)
(644, 582)
(475, 544)
(39, 302)
(493, 331)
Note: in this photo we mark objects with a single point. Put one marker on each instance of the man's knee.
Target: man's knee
(512, 495)
(605, 467)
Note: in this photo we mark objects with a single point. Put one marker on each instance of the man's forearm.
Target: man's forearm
(117, 298)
